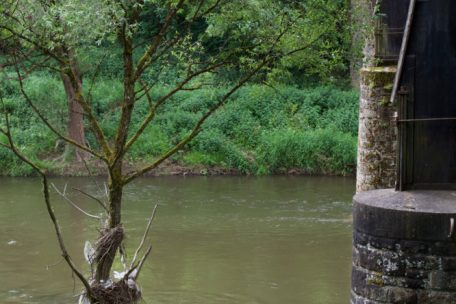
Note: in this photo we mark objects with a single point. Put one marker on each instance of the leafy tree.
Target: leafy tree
(75, 116)
(198, 39)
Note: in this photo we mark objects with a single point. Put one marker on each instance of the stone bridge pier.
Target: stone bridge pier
(404, 242)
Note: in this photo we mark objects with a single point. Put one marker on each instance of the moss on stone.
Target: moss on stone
(376, 280)
(378, 77)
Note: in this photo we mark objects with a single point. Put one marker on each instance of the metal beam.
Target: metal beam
(405, 40)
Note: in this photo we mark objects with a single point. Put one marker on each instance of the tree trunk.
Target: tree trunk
(112, 236)
(75, 117)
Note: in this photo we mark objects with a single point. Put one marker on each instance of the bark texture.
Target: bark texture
(75, 116)
(112, 235)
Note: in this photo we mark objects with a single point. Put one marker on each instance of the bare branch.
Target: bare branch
(141, 263)
(63, 194)
(92, 197)
(146, 90)
(92, 175)
(106, 190)
(55, 264)
(146, 232)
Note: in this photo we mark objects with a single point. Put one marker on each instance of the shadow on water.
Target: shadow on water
(216, 240)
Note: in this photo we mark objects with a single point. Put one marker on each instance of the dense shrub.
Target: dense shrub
(152, 143)
(221, 151)
(261, 130)
(30, 135)
(320, 151)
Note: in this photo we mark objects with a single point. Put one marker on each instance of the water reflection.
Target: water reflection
(216, 240)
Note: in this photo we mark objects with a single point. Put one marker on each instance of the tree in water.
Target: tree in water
(250, 38)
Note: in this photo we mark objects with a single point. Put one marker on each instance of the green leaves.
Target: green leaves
(69, 23)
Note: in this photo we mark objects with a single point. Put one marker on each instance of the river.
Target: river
(216, 240)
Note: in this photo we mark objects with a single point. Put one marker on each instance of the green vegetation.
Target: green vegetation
(297, 113)
(263, 130)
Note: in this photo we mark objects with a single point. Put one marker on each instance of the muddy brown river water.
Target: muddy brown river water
(216, 240)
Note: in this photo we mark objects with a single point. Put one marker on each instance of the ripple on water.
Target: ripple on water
(34, 296)
(159, 297)
(182, 296)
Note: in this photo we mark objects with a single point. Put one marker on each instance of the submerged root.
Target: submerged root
(121, 292)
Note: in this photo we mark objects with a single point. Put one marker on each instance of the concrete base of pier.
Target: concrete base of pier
(404, 247)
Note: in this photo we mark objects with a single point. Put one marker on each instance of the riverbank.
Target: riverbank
(167, 168)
